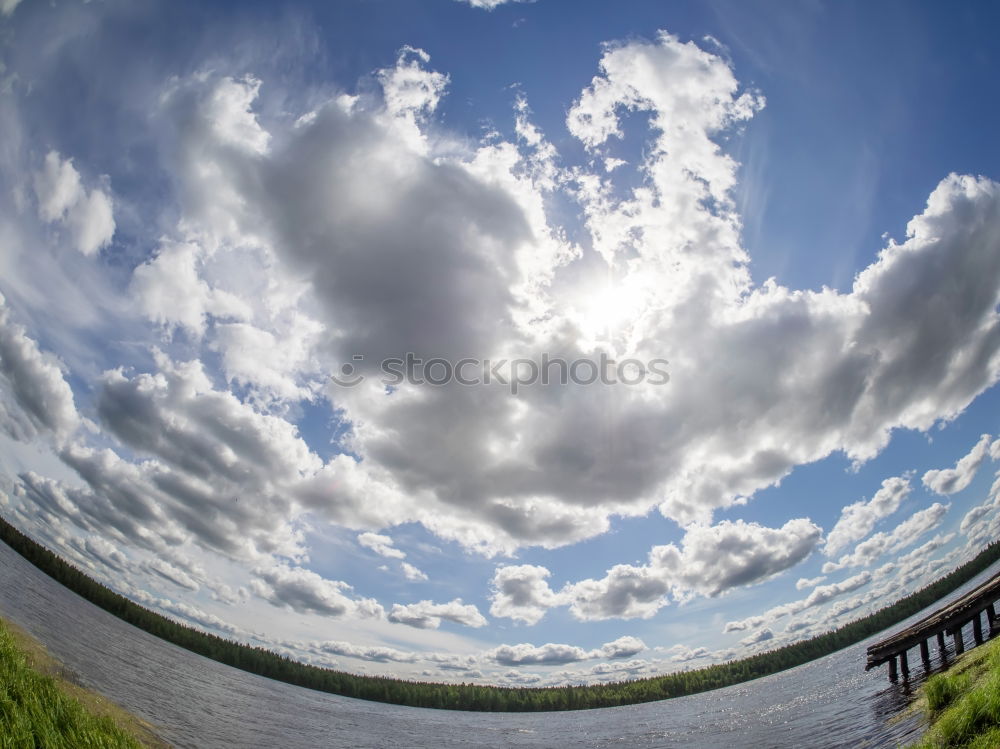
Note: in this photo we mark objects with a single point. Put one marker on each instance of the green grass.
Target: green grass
(964, 702)
(36, 713)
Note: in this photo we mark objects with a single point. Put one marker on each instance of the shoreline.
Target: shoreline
(959, 705)
(41, 661)
(488, 698)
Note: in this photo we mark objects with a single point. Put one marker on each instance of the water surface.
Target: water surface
(196, 702)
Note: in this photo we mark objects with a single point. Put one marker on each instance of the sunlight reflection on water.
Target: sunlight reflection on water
(195, 702)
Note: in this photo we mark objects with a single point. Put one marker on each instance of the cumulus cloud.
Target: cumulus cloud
(757, 637)
(185, 612)
(953, 480)
(366, 653)
(859, 519)
(410, 90)
(549, 654)
(809, 582)
(217, 470)
(483, 4)
(981, 524)
(477, 262)
(306, 592)
(522, 593)
(710, 561)
(428, 615)
(172, 574)
(820, 595)
(381, 545)
(86, 214)
(98, 549)
(623, 647)
(903, 535)
(412, 573)
(35, 398)
(683, 654)
(279, 228)
(169, 291)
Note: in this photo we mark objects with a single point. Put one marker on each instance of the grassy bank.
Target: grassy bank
(39, 707)
(258, 660)
(963, 704)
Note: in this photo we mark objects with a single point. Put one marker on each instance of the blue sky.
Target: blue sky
(213, 207)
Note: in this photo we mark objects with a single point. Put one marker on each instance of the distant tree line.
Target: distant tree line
(264, 662)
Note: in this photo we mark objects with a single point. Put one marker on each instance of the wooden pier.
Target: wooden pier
(947, 621)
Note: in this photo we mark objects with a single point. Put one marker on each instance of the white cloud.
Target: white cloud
(169, 291)
(219, 468)
(62, 198)
(169, 572)
(525, 654)
(57, 187)
(276, 241)
(623, 647)
(494, 472)
(34, 396)
(981, 524)
(757, 637)
(859, 519)
(808, 582)
(903, 535)
(625, 592)
(412, 573)
(381, 545)
(483, 4)
(953, 480)
(186, 613)
(683, 654)
(802, 623)
(428, 615)
(411, 91)
(820, 595)
(522, 593)
(366, 653)
(306, 592)
(710, 561)
(7, 6)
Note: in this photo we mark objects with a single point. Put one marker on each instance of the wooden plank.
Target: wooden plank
(944, 620)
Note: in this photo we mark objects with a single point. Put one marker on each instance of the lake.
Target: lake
(196, 702)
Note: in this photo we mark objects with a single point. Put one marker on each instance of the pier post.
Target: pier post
(977, 627)
(892, 669)
(991, 617)
(925, 655)
(957, 635)
(904, 666)
(940, 639)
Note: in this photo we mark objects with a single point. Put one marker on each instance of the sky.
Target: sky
(772, 229)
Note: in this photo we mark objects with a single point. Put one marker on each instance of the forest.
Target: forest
(264, 662)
